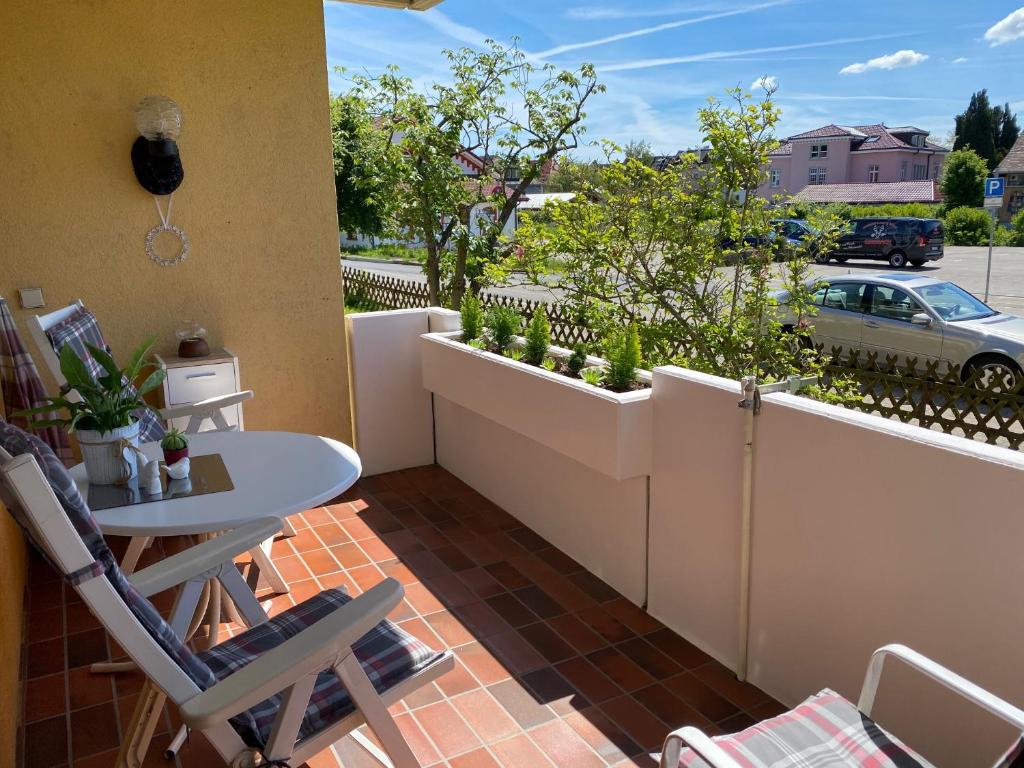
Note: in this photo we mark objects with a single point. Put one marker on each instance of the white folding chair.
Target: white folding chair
(198, 414)
(263, 694)
(828, 729)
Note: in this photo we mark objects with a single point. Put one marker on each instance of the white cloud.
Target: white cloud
(765, 82)
(898, 60)
(611, 13)
(624, 66)
(446, 26)
(659, 28)
(959, 59)
(1006, 30)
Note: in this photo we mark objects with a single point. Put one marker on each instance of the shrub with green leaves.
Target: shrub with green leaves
(538, 337)
(593, 376)
(578, 360)
(472, 316)
(503, 323)
(967, 226)
(623, 355)
(1017, 228)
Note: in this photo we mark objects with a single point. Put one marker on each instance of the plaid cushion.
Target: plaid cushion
(825, 731)
(388, 655)
(81, 329)
(16, 442)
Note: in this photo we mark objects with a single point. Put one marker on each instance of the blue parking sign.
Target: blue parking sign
(994, 186)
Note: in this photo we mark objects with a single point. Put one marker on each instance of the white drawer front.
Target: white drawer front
(198, 382)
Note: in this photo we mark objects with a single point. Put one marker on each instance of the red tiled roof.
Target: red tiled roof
(1014, 160)
(824, 132)
(785, 148)
(890, 192)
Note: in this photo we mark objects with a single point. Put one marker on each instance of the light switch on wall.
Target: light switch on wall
(31, 298)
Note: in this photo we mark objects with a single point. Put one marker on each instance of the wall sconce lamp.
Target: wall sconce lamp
(155, 153)
(158, 168)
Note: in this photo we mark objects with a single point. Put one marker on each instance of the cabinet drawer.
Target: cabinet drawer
(198, 382)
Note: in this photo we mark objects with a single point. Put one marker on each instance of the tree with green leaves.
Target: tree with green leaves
(365, 169)
(642, 248)
(963, 179)
(989, 131)
(639, 150)
(510, 114)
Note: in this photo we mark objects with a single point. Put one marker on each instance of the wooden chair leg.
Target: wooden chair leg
(261, 559)
(135, 549)
(140, 730)
(287, 529)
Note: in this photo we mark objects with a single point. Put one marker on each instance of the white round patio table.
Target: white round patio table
(275, 474)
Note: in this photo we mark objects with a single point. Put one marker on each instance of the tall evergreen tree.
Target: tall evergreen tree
(989, 131)
(976, 128)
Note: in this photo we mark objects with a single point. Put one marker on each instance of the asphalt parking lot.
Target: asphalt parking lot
(964, 266)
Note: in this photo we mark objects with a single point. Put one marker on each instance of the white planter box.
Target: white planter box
(605, 431)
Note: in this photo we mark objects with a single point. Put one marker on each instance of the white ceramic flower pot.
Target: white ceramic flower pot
(107, 458)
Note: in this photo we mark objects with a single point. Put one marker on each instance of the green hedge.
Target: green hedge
(967, 226)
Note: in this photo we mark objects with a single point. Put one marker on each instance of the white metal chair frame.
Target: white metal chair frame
(198, 414)
(290, 669)
(715, 756)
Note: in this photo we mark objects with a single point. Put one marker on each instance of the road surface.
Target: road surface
(962, 265)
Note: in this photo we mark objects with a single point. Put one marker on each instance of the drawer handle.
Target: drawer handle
(191, 376)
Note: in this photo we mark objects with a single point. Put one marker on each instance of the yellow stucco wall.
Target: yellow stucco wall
(257, 202)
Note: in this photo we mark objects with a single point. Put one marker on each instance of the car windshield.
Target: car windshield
(953, 303)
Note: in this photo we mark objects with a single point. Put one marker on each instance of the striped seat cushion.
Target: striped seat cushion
(388, 655)
(826, 731)
(80, 329)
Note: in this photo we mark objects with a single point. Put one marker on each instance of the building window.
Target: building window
(775, 179)
(819, 151)
(936, 171)
(873, 174)
(816, 175)
(903, 170)
(1014, 180)
(920, 172)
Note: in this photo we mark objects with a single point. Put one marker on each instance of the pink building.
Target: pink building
(854, 155)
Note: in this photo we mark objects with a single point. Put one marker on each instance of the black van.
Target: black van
(898, 240)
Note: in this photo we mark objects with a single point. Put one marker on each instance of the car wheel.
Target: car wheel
(993, 373)
(842, 259)
(897, 259)
(917, 262)
(821, 258)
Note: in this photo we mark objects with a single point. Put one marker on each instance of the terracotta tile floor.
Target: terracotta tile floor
(554, 667)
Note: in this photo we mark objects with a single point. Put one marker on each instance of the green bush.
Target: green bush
(967, 226)
(963, 178)
(578, 360)
(1017, 227)
(503, 323)
(538, 337)
(623, 357)
(914, 210)
(472, 316)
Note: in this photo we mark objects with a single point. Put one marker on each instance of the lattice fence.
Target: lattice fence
(933, 395)
(375, 291)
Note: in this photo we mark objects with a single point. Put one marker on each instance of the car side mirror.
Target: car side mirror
(922, 318)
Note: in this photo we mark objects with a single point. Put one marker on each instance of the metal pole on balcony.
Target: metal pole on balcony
(750, 394)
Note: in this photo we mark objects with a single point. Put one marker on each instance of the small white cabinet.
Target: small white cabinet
(191, 379)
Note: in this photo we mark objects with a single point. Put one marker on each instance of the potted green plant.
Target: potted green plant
(175, 446)
(101, 411)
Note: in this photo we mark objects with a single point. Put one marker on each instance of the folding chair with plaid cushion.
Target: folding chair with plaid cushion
(827, 731)
(284, 690)
(75, 326)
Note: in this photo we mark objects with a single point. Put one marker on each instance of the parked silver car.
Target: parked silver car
(907, 316)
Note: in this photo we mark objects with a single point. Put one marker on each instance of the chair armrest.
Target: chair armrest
(210, 405)
(314, 649)
(700, 743)
(940, 674)
(208, 556)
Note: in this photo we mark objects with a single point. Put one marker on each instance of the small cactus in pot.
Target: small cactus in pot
(175, 446)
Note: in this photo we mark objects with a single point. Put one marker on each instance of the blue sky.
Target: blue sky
(910, 62)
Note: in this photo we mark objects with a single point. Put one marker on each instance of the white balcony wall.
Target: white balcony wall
(868, 532)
